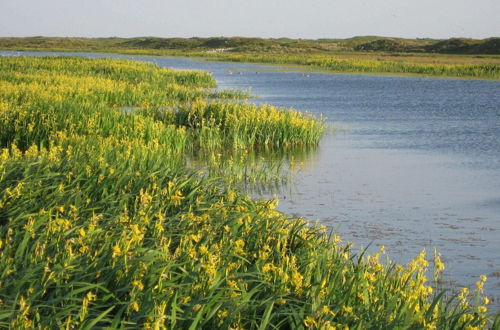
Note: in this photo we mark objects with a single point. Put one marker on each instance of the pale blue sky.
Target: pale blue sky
(260, 18)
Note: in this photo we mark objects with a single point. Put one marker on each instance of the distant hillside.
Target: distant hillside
(466, 46)
(235, 44)
(392, 45)
(448, 46)
(193, 43)
(260, 45)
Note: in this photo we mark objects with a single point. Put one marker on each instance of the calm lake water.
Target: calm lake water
(414, 163)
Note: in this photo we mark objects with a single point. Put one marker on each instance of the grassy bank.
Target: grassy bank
(455, 58)
(362, 44)
(105, 223)
(357, 64)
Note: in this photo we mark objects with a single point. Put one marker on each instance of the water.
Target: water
(415, 162)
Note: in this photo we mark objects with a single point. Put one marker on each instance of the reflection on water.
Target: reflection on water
(417, 167)
(261, 172)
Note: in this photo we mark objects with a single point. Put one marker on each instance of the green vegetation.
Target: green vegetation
(456, 57)
(466, 46)
(449, 46)
(259, 45)
(329, 63)
(105, 223)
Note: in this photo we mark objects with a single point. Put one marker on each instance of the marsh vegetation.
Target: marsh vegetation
(465, 58)
(104, 222)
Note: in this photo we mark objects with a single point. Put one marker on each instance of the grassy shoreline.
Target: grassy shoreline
(297, 67)
(314, 69)
(455, 66)
(372, 66)
(104, 224)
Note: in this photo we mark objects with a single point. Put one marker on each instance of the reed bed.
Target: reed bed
(103, 224)
(245, 124)
(361, 65)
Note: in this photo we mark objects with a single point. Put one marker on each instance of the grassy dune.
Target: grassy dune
(103, 223)
(489, 46)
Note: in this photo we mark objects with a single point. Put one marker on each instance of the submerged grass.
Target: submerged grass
(104, 224)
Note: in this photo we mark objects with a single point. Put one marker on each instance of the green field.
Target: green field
(106, 223)
(456, 58)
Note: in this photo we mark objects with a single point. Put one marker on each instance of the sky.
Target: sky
(307, 19)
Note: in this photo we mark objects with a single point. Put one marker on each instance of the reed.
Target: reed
(373, 65)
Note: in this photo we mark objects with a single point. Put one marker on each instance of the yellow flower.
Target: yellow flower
(196, 238)
(222, 314)
(281, 301)
(203, 249)
(135, 229)
(297, 279)
(309, 322)
(116, 251)
(470, 327)
(138, 285)
(482, 309)
(91, 296)
(430, 326)
(176, 198)
(325, 310)
(267, 268)
(417, 308)
(160, 216)
(347, 309)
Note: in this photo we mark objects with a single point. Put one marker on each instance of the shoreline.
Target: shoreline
(299, 67)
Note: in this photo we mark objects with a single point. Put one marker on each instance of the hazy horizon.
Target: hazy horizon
(236, 36)
(317, 19)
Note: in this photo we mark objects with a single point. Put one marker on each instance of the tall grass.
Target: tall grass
(103, 224)
(83, 96)
(337, 64)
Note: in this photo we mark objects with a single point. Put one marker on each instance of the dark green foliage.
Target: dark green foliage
(466, 46)
(241, 44)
